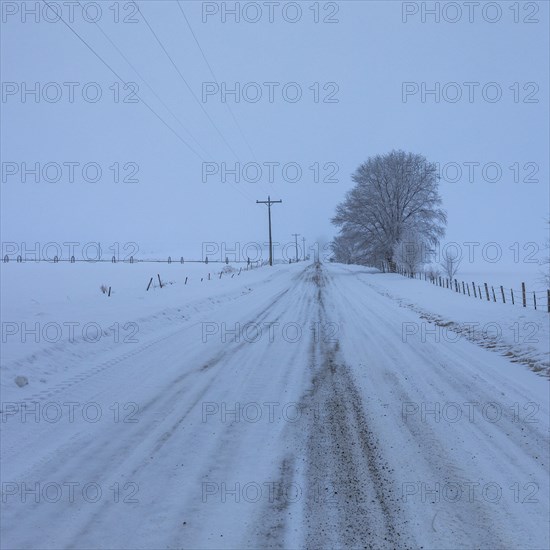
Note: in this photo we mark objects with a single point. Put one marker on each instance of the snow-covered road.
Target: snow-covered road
(305, 413)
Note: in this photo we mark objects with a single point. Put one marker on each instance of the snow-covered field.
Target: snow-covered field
(507, 277)
(53, 312)
(522, 334)
(268, 409)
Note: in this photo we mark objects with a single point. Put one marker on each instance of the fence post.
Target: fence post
(502, 292)
(493, 291)
(150, 283)
(523, 295)
(109, 294)
(535, 299)
(487, 292)
(512, 294)
(160, 282)
(479, 290)
(474, 287)
(463, 291)
(548, 299)
(185, 281)
(468, 288)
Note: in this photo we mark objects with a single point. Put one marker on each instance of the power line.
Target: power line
(216, 80)
(125, 83)
(185, 81)
(190, 147)
(149, 86)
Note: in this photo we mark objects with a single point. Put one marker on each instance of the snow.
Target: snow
(69, 307)
(324, 420)
(507, 277)
(522, 334)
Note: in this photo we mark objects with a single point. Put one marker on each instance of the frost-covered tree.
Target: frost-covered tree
(409, 251)
(393, 193)
(450, 264)
(345, 250)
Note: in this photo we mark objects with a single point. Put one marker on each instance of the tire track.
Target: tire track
(351, 501)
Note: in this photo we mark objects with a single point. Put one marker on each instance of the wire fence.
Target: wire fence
(535, 299)
(229, 273)
(131, 260)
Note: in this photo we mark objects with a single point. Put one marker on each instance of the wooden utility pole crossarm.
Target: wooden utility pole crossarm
(269, 202)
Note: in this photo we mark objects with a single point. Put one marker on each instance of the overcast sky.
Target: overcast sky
(351, 74)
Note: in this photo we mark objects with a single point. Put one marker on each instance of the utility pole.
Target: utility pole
(296, 235)
(304, 246)
(269, 202)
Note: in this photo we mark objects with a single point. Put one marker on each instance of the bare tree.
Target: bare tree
(450, 264)
(409, 251)
(392, 193)
(432, 273)
(345, 250)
